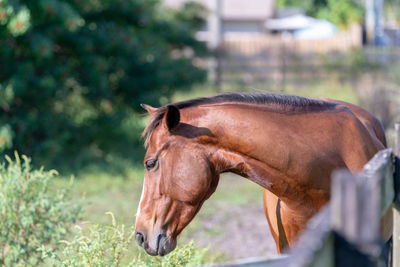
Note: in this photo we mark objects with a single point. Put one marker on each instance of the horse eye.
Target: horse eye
(150, 164)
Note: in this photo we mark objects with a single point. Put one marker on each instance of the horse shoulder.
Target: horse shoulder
(358, 144)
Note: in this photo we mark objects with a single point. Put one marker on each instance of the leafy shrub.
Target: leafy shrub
(31, 214)
(113, 245)
(187, 255)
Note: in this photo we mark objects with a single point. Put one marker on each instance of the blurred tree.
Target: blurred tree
(392, 12)
(70, 69)
(306, 5)
(340, 12)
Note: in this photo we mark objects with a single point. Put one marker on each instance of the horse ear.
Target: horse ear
(151, 110)
(172, 117)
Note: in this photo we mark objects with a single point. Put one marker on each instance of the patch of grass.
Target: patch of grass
(105, 191)
(236, 190)
(328, 88)
(334, 87)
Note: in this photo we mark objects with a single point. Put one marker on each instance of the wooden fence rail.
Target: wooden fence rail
(254, 44)
(347, 232)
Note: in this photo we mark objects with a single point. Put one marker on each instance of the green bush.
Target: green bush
(113, 245)
(37, 227)
(32, 216)
(187, 255)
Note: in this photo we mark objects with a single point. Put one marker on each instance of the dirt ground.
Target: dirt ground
(236, 230)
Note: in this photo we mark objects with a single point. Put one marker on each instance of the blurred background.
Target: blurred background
(73, 73)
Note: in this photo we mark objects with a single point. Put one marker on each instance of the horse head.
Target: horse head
(179, 177)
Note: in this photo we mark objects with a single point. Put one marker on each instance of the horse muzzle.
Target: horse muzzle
(158, 244)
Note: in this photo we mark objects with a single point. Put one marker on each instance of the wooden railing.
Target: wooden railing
(255, 44)
(347, 232)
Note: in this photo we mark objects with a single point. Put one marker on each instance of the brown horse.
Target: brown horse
(289, 145)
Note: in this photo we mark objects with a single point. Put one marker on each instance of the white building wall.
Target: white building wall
(231, 26)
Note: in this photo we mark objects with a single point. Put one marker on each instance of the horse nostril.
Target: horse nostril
(140, 238)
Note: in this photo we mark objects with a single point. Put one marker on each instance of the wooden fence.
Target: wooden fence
(255, 44)
(347, 231)
(279, 65)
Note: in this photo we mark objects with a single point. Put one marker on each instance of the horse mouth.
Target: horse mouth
(161, 240)
(164, 244)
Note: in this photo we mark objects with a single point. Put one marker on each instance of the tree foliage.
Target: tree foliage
(70, 69)
(340, 12)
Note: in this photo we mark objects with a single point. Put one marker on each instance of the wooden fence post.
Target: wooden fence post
(360, 201)
(396, 204)
(356, 199)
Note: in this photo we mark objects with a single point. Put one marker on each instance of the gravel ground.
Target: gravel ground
(236, 231)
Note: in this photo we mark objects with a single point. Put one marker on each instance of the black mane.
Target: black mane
(281, 101)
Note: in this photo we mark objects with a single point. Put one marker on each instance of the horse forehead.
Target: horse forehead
(162, 143)
(158, 138)
(161, 139)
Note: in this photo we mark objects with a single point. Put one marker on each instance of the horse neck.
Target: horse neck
(245, 142)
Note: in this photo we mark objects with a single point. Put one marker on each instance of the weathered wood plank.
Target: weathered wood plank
(355, 200)
(344, 204)
(396, 235)
(380, 169)
(396, 153)
(346, 254)
(364, 197)
(325, 256)
(396, 205)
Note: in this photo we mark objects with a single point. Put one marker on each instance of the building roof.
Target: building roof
(236, 9)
